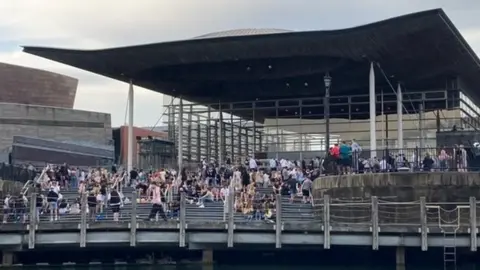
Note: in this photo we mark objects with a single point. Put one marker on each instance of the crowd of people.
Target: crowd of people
(254, 184)
(52, 181)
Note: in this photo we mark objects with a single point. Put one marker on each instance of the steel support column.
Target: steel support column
(130, 128)
(399, 117)
(373, 113)
(326, 108)
(473, 224)
(254, 126)
(375, 228)
(421, 128)
(209, 134)
(180, 136)
(326, 222)
(221, 153)
(423, 223)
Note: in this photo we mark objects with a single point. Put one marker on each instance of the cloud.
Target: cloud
(91, 24)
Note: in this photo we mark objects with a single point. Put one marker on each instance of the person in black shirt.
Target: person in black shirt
(115, 202)
(92, 205)
(133, 175)
(210, 176)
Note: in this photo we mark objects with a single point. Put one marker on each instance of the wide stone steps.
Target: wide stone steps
(213, 211)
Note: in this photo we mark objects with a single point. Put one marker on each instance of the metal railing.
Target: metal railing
(16, 173)
(368, 216)
(416, 159)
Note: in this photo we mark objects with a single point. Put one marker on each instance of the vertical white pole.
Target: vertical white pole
(399, 118)
(130, 128)
(373, 102)
(383, 120)
(220, 129)
(180, 136)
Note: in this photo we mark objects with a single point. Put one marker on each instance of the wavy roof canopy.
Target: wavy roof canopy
(419, 49)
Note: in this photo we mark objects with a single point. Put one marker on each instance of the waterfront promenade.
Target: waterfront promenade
(369, 220)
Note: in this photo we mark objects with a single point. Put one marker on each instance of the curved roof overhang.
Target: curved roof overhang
(417, 49)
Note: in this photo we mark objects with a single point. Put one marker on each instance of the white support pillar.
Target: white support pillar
(180, 136)
(221, 153)
(373, 113)
(399, 118)
(130, 128)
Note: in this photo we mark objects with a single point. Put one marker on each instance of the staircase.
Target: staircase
(212, 212)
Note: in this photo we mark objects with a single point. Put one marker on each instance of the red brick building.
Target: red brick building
(120, 137)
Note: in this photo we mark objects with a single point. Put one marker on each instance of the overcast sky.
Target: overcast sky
(95, 24)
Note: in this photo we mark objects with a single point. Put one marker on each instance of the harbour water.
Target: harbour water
(237, 267)
(334, 259)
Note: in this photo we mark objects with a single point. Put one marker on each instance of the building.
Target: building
(268, 92)
(24, 85)
(39, 105)
(141, 138)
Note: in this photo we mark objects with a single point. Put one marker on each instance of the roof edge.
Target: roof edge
(438, 11)
(459, 36)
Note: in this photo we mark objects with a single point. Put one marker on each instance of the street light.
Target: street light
(328, 82)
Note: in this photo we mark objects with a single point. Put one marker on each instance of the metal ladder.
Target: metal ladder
(450, 249)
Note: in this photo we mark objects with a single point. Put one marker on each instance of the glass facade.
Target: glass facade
(295, 128)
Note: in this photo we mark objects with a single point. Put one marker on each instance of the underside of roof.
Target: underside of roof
(420, 50)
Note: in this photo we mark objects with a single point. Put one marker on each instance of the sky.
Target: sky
(97, 24)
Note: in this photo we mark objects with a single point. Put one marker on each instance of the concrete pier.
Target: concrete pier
(207, 256)
(7, 258)
(400, 258)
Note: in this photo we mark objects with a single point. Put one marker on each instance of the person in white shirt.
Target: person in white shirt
(6, 208)
(224, 191)
(273, 164)
(283, 163)
(266, 180)
(356, 151)
(252, 164)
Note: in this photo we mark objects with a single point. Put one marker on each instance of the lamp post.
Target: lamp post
(328, 82)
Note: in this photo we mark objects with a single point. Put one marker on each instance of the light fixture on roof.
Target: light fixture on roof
(327, 80)
(287, 84)
(248, 68)
(306, 84)
(269, 66)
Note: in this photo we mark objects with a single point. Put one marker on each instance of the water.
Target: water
(242, 258)
(234, 267)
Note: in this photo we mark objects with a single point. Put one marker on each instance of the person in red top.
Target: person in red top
(335, 153)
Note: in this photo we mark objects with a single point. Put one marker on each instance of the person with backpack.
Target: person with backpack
(115, 202)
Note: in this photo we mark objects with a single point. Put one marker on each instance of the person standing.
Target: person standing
(115, 202)
(157, 208)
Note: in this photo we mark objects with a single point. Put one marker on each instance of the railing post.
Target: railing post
(473, 224)
(278, 221)
(326, 221)
(83, 221)
(33, 221)
(133, 221)
(375, 229)
(423, 223)
(182, 217)
(231, 212)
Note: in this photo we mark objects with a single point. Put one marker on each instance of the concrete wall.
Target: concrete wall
(33, 86)
(406, 187)
(53, 123)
